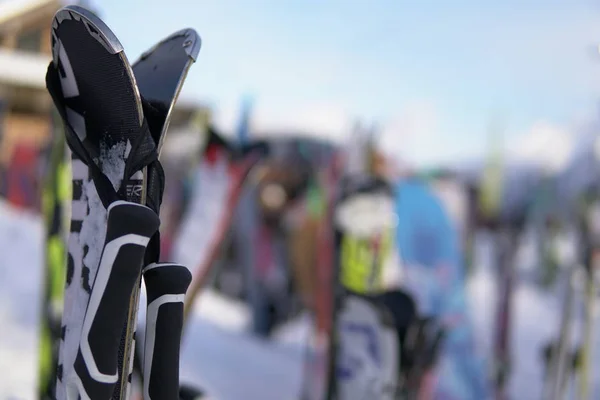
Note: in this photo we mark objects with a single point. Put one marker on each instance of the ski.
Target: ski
(318, 369)
(55, 198)
(167, 62)
(557, 354)
(112, 133)
(217, 186)
(592, 232)
(506, 245)
(585, 364)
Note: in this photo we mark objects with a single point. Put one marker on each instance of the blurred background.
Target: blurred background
(493, 105)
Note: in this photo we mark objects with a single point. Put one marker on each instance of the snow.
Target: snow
(232, 365)
(536, 318)
(216, 351)
(21, 236)
(217, 355)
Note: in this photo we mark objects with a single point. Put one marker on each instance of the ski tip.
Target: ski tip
(93, 23)
(191, 43)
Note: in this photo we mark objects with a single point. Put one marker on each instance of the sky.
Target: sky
(435, 75)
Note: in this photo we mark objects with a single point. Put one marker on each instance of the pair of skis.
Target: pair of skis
(116, 117)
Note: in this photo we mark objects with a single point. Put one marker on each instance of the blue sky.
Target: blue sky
(435, 73)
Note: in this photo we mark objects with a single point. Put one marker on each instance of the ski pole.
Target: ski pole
(129, 228)
(166, 285)
(556, 369)
(588, 331)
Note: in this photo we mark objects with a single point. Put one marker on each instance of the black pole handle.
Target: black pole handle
(166, 285)
(129, 229)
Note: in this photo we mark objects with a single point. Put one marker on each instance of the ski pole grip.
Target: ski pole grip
(166, 284)
(128, 230)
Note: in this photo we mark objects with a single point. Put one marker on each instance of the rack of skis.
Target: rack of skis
(102, 203)
(115, 117)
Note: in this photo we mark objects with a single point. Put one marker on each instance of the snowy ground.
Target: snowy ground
(217, 355)
(21, 237)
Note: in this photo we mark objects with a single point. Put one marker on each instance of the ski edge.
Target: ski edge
(105, 33)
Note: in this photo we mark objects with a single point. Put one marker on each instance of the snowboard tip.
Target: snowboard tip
(98, 28)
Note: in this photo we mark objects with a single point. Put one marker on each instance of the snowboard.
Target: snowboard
(365, 350)
(409, 344)
(353, 353)
(115, 172)
(433, 275)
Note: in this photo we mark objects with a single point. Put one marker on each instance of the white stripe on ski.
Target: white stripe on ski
(77, 122)
(67, 82)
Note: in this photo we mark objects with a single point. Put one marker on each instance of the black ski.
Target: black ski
(160, 73)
